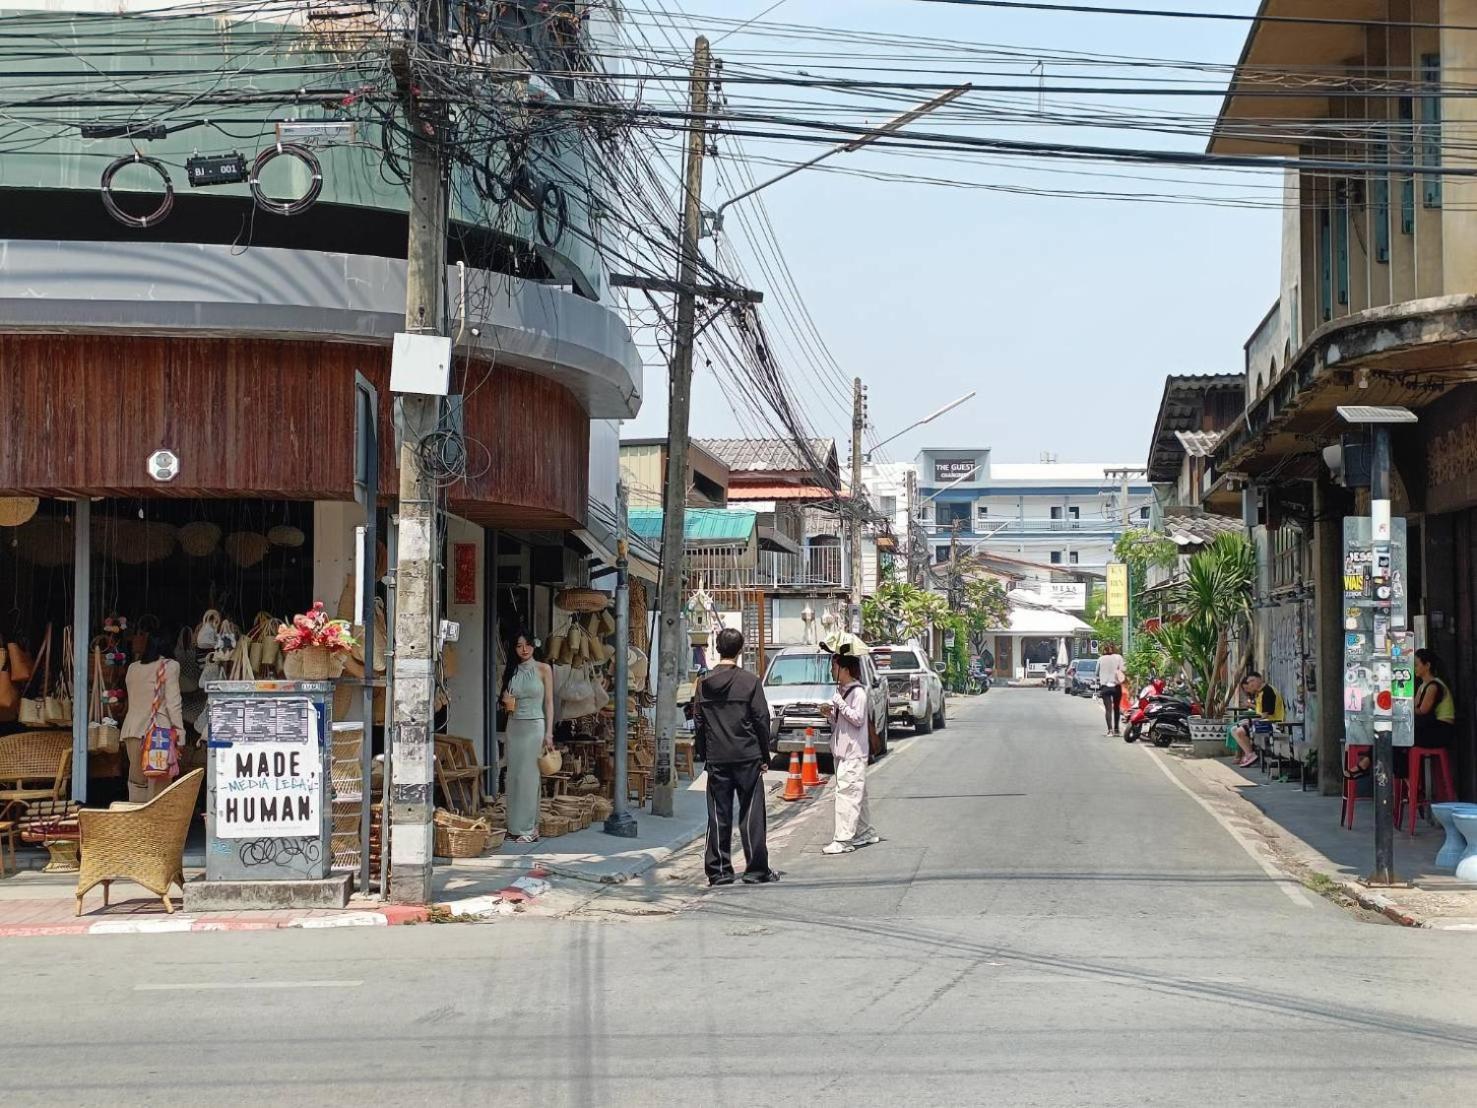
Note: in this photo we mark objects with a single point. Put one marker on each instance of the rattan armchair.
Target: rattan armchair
(35, 765)
(145, 845)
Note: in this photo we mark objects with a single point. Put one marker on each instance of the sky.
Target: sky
(1065, 314)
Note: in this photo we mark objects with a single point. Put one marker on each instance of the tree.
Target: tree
(899, 612)
(1208, 635)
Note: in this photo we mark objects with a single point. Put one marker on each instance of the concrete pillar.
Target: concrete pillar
(1459, 115)
(1325, 707)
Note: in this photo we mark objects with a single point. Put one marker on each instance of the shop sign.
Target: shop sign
(1071, 595)
(1117, 590)
(946, 470)
(464, 562)
(268, 769)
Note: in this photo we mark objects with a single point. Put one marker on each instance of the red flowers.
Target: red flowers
(314, 628)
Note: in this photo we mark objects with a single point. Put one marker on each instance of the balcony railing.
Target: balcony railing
(819, 567)
(983, 527)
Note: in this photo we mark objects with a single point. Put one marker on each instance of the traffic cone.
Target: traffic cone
(810, 773)
(794, 789)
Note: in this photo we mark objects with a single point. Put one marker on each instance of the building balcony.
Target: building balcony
(820, 567)
(1025, 528)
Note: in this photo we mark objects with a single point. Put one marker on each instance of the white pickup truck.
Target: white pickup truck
(915, 692)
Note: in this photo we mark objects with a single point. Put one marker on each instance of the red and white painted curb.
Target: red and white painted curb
(155, 925)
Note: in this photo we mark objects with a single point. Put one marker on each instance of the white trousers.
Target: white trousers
(853, 820)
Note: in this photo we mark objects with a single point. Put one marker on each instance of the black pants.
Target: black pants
(747, 780)
(1112, 704)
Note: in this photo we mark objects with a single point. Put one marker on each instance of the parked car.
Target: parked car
(915, 691)
(1084, 677)
(798, 684)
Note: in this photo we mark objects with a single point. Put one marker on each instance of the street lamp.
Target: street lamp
(949, 407)
(1386, 616)
(715, 217)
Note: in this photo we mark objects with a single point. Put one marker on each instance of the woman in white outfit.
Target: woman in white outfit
(847, 712)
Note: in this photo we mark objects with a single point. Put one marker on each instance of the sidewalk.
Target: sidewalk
(1303, 831)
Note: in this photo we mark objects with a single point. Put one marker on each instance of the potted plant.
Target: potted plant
(312, 640)
(1209, 634)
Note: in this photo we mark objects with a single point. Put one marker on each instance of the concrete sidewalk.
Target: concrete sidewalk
(1303, 832)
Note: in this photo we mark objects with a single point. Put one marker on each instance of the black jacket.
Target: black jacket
(732, 717)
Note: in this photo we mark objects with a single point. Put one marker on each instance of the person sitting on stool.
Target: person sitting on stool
(1268, 705)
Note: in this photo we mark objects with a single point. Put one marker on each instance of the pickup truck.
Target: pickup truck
(798, 684)
(915, 692)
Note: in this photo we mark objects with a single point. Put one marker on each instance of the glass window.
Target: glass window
(1404, 154)
(1144, 512)
(799, 669)
(1073, 557)
(899, 659)
(941, 554)
(1381, 200)
(1325, 267)
(1431, 130)
(982, 511)
(1056, 557)
(889, 505)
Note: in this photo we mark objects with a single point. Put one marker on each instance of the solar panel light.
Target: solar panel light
(1368, 413)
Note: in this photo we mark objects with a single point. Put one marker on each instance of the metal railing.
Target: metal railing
(1028, 526)
(721, 568)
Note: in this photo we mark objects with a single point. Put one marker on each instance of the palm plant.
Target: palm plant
(1211, 637)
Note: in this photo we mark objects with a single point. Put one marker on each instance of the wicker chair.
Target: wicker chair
(145, 845)
(35, 766)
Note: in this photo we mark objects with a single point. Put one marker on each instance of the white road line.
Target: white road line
(1280, 879)
(205, 986)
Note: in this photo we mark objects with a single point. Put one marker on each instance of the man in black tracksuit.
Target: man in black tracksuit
(732, 720)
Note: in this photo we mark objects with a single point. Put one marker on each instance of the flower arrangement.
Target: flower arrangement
(315, 629)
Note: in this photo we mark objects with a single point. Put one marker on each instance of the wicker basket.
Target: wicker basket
(15, 510)
(552, 826)
(582, 600)
(199, 539)
(286, 535)
(461, 837)
(247, 548)
(314, 663)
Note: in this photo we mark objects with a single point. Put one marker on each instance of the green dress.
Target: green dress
(526, 730)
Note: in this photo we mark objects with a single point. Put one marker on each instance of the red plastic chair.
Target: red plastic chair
(1411, 789)
(1351, 785)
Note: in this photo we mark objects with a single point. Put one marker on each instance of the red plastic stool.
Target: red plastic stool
(1412, 790)
(1351, 785)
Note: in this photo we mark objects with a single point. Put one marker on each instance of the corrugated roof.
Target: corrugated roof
(768, 455)
(779, 492)
(710, 525)
(1199, 529)
(1182, 408)
(1198, 444)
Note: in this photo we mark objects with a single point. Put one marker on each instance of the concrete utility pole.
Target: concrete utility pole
(620, 822)
(673, 647)
(412, 799)
(858, 512)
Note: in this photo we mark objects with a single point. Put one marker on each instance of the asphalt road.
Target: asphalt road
(1051, 920)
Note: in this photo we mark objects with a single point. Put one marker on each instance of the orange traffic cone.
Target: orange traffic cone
(794, 789)
(810, 773)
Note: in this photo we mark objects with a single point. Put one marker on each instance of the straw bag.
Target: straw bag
(241, 667)
(550, 762)
(32, 710)
(576, 693)
(266, 652)
(59, 701)
(208, 633)
(104, 736)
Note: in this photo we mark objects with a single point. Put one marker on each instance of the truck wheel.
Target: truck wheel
(941, 721)
(923, 726)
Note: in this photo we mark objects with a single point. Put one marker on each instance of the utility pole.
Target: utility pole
(910, 496)
(621, 823)
(673, 647)
(858, 512)
(412, 790)
(1123, 476)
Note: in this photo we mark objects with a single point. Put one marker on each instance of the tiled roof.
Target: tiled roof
(1181, 408)
(1198, 444)
(1199, 529)
(768, 455)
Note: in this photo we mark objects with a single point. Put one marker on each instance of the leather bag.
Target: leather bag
(32, 710)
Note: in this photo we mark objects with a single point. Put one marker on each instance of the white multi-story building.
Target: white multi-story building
(1050, 513)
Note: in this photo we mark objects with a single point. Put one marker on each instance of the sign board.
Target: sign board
(268, 768)
(464, 563)
(1379, 651)
(947, 470)
(1117, 590)
(1071, 595)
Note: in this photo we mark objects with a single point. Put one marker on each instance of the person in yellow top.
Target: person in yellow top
(1267, 703)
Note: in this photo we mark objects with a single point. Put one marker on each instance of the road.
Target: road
(1051, 920)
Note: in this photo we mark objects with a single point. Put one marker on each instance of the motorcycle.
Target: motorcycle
(1167, 720)
(1138, 713)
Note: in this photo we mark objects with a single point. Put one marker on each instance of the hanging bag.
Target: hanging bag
(33, 701)
(241, 667)
(21, 664)
(160, 753)
(207, 634)
(59, 700)
(104, 736)
(10, 695)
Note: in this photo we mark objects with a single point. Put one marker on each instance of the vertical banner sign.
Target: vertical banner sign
(1379, 677)
(464, 586)
(1117, 590)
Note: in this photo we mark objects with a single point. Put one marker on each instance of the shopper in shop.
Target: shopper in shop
(731, 718)
(153, 701)
(847, 712)
(528, 698)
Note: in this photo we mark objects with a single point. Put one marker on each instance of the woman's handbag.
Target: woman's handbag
(32, 711)
(189, 661)
(104, 736)
(59, 701)
(266, 652)
(160, 750)
(241, 667)
(208, 633)
(21, 664)
(10, 696)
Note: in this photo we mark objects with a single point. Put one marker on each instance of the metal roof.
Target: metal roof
(769, 455)
(700, 525)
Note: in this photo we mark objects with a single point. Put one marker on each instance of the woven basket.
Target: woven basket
(582, 600)
(199, 539)
(462, 842)
(15, 510)
(314, 663)
(247, 548)
(286, 535)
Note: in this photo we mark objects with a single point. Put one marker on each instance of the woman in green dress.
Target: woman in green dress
(528, 698)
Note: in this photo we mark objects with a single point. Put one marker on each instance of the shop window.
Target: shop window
(1431, 130)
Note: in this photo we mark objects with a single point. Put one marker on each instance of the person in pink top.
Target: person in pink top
(847, 712)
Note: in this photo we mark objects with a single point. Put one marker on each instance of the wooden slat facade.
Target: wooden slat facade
(79, 414)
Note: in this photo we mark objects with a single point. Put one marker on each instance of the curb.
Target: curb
(378, 917)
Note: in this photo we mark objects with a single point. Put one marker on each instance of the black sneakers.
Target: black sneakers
(768, 878)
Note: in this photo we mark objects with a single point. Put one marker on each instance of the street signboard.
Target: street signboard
(953, 469)
(1117, 590)
(1070, 595)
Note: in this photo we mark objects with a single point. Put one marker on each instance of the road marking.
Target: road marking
(205, 986)
(1280, 879)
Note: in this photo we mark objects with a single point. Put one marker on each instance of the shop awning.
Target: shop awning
(701, 526)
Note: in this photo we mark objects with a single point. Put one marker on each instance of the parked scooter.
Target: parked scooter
(1138, 714)
(1168, 720)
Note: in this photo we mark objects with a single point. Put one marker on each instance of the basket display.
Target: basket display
(15, 510)
(582, 600)
(463, 837)
(314, 663)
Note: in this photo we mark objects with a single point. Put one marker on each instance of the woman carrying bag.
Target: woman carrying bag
(153, 707)
(528, 698)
